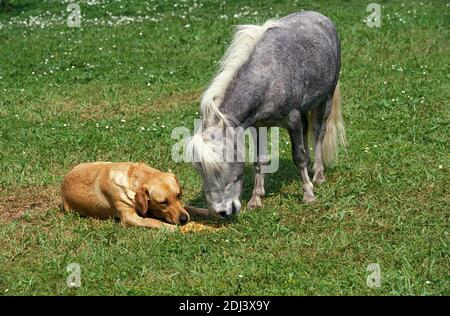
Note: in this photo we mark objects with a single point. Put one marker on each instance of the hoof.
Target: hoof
(319, 178)
(255, 202)
(309, 198)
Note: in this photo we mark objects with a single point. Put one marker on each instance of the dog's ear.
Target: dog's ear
(178, 183)
(141, 201)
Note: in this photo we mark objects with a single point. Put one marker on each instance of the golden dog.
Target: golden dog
(128, 191)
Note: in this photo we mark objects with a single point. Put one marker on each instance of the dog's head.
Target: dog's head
(160, 196)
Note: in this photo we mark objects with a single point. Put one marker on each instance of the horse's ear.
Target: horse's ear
(141, 201)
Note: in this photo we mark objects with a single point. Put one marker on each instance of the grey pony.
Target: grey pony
(289, 80)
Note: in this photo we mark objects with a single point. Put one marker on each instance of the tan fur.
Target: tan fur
(129, 191)
(335, 131)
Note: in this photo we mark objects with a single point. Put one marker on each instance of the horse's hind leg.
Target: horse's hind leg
(305, 125)
(319, 120)
(299, 153)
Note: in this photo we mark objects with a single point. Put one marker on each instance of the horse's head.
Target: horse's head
(223, 189)
(214, 158)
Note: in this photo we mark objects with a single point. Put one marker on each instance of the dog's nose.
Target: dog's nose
(183, 218)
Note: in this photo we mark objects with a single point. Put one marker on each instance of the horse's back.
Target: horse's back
(294, 65)
(303, 54)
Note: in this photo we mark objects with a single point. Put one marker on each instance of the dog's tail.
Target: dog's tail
(335, 131)
(197, 211)
(63, 205)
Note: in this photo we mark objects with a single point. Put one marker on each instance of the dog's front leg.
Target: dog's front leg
(129, 217)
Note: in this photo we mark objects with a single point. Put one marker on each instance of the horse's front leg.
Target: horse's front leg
(261, 160)
(258, 189)
(300, 154)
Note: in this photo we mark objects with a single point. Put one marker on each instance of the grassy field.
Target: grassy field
(115, 88)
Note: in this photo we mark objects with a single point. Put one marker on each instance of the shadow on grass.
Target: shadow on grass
(286, 174)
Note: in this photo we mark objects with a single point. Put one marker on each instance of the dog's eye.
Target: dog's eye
(164, 202)
(179, 196)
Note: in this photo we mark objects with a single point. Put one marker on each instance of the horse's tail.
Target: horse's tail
(335, 131)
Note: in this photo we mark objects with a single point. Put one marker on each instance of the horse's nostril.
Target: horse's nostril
(222, 214)
(233, 208)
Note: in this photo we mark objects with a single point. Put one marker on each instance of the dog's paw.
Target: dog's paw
(170, 228)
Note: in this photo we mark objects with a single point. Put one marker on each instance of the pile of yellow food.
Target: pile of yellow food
(193, 227)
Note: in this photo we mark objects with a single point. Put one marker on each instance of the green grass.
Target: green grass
(386, 202)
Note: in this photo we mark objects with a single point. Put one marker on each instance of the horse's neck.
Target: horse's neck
(241, 104)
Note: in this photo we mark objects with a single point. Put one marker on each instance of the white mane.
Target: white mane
(244, 41)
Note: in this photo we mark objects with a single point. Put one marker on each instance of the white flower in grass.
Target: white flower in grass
(187, 26)
(441, 166)
(142, 128)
